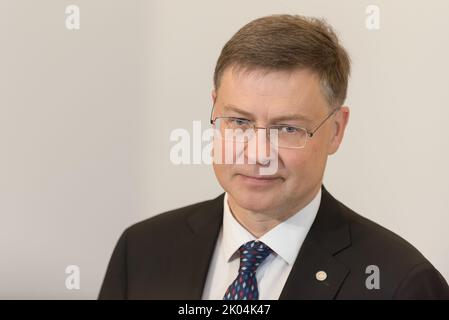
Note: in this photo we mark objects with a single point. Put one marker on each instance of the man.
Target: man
(279, 235)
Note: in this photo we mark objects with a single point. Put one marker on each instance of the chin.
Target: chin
(254, 201)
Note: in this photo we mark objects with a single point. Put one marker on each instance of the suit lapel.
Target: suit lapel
(328, 235)
(196, 250)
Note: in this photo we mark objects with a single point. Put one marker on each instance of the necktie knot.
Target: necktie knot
(245, 287)
(252, 254)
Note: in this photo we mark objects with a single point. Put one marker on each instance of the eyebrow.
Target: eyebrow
(276, 119)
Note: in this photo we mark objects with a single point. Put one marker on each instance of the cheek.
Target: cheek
(220, 169)
(294, 160)
(302, 162)
(223, 173)
(223, 152)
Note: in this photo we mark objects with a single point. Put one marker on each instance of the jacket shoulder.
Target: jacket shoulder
(404, 271)
(170, 222)
(368, 234)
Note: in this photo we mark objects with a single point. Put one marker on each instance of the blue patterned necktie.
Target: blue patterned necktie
(244, 287)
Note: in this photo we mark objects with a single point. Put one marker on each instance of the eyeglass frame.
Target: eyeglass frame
(309, 133)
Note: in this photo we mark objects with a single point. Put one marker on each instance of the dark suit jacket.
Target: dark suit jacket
(168, 256)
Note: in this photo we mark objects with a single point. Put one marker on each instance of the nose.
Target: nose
(259, 150)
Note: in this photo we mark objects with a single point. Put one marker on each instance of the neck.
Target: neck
(259, 223)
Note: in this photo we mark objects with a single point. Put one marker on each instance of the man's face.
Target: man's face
(262, 97)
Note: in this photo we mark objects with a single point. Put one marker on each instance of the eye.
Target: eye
(288, 129)
(239, 122)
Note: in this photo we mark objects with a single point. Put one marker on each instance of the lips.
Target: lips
(258, 182)
(261, 177)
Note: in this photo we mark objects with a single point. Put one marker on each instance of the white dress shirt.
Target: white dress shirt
(285, 240)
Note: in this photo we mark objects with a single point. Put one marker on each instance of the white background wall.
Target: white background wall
(85, 119)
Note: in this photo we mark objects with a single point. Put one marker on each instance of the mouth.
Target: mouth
(258, 180)
(262, 177)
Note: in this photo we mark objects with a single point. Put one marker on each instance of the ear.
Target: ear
(214, 96)
(340, 120)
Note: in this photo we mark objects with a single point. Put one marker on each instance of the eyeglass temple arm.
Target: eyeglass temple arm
(311, 133)
(211, 113)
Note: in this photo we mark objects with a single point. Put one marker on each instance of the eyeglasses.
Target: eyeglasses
(288, 136)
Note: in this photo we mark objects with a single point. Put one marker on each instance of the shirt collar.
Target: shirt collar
(285, 239)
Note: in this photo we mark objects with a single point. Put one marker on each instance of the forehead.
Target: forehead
(271, 93)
